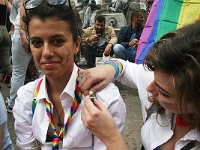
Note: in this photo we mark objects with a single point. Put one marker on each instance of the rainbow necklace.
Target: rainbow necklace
(74, 106)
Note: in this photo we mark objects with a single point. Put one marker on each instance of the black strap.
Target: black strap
(189, 146)
(142, 148)
(150, 111)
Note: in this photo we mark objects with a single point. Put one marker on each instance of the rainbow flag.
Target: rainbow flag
(166, 16)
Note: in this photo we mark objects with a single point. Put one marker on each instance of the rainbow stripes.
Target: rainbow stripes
(166, 16)
(74, 106)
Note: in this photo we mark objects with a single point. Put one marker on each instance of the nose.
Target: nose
(151, 88)
(98, 26)
(47, 52)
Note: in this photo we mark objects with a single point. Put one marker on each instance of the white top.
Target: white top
(152, 133)
(28, 128)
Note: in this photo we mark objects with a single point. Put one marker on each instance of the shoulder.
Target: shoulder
(109, 28)
(89, 29)
(110, 94)
(28, 88)
(126, 27)
(156, 130)
(24, 101)
(26, 92)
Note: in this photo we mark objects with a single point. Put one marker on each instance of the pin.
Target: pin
(92, 96)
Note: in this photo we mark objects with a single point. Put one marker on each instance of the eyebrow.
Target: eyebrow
(55, 36)
(162, 88)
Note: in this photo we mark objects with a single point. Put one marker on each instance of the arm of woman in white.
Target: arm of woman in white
(22, 113)
(132, 75)
(136, 76)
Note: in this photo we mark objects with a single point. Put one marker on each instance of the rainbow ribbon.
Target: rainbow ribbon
(166, 16)
(74, 106)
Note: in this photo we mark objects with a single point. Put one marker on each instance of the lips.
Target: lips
(49, 64)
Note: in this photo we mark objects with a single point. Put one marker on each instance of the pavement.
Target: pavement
(133, 125)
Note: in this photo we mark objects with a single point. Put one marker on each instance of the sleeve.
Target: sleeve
(86, 34)
(22, 113)
(137, 77)
(113, 37)
(112, 99)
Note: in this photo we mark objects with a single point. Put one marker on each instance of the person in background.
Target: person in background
(91, 8)
(47, 111)
(5, 142)
(168, 84)
(128, 37)
(149, 3)
(5, 43)
(20, 54)
(98, 40)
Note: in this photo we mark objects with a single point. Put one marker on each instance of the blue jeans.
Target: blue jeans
(7, 143)
(124, 53)
(20, 60)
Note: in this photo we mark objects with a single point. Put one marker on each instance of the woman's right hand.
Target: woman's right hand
(96, 117)
(95, 79)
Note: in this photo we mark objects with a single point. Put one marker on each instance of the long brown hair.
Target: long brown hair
(178, 55)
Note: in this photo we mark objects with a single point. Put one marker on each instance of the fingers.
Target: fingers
(86, 81)
(97, 87)
(88, 112)
(95, 79)
(84, 84)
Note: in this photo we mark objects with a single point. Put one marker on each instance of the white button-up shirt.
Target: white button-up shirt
(29, 127)
(157, 129)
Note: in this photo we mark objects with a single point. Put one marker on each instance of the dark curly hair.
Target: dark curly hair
(62, 12)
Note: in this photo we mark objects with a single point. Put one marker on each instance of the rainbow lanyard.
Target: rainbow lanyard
(74, 106)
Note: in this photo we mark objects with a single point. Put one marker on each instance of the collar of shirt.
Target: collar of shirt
(157, 130)
(68, 90)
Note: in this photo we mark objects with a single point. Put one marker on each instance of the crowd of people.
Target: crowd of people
(71, 108)
(101, 39)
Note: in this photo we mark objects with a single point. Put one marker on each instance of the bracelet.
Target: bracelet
(117, 65)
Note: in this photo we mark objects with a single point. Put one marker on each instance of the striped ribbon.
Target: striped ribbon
(74, 106)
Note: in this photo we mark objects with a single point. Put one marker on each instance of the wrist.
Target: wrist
(116, 65)
(116, 141)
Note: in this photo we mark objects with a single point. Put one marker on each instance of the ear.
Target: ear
(77, 45)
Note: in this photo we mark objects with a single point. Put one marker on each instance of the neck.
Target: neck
(57, 85)
(133, 25)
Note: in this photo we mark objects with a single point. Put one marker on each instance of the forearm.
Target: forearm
(117, 66)
(117, 143)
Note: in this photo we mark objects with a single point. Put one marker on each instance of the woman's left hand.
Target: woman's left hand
(96, 117)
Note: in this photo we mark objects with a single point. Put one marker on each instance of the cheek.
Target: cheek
(167, 101)
(36, 55)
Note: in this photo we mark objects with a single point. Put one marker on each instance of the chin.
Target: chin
(169, 108)
(51, 74)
